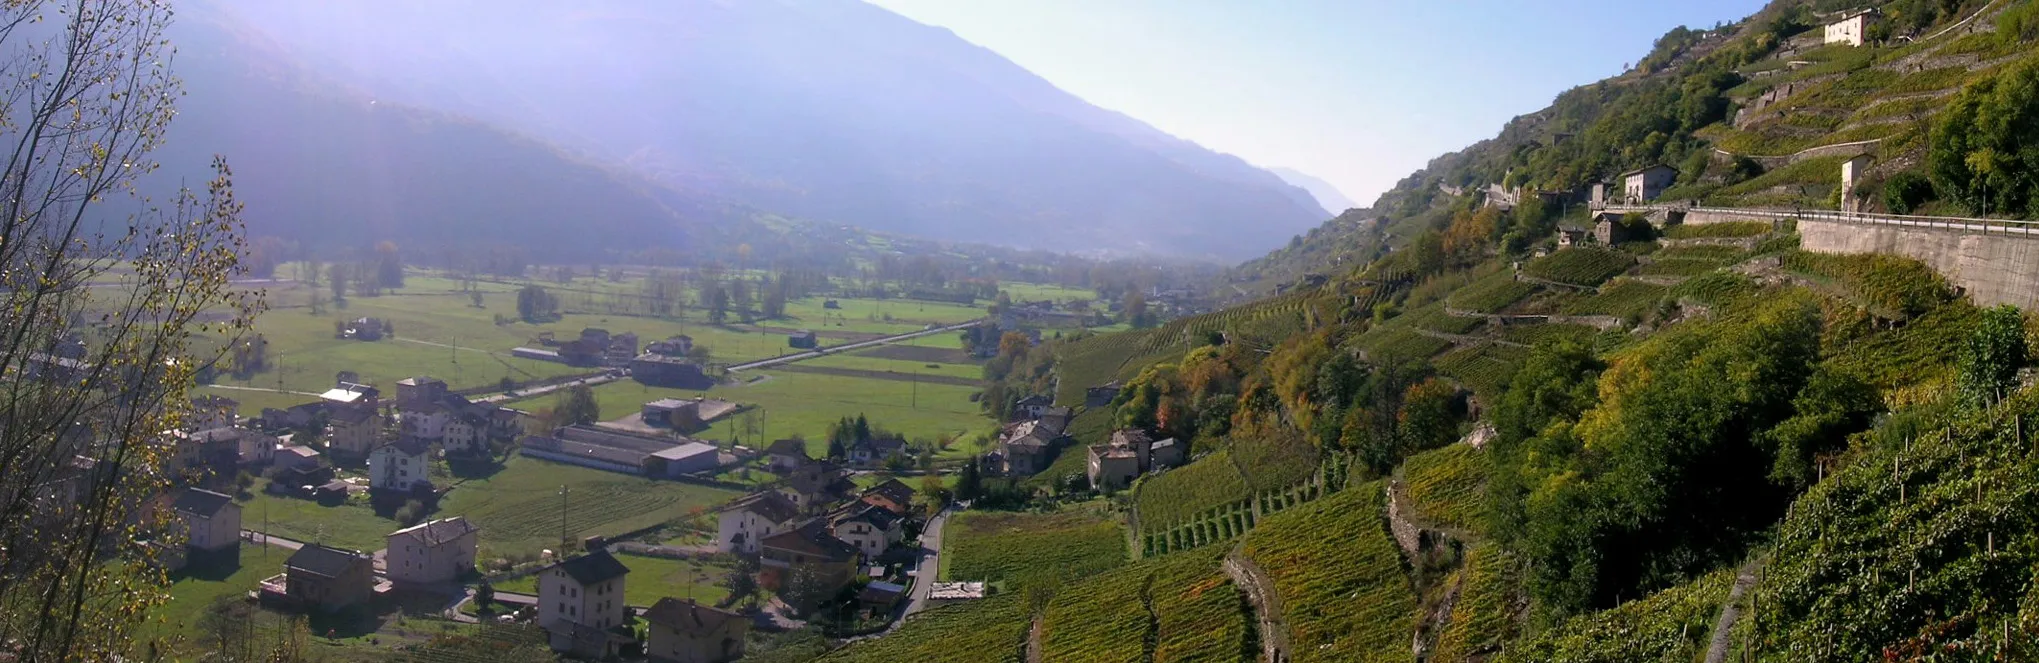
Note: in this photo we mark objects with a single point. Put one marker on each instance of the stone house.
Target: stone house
(892, 495)
(1853, 27)
(438, 552)
(682, 631)
(1030, 407)
(1166, 453)
(321, 577)
(579, 601)
(811, 548)
(1644, 185)
(742, 524)
(1112, 466)
(786, 455)
(355, 432)
(816, 486)
(874, 452)
(1101, 395)
(1026, 447)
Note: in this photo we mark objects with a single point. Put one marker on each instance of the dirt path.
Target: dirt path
(1034, 641)
(1274, 633)
(1731, 610)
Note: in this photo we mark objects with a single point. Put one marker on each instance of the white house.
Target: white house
(400, 466)
(425, 421)
(871, 529)
(430, 553)
(1853, 28)
(463, 435)
(579, 600)
(210, 521)
(748, 520)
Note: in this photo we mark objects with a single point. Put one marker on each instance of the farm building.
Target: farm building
(617, 451)
(666, 371)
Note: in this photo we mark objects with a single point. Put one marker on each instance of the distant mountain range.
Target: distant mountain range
(673, 122)
(1327, 195)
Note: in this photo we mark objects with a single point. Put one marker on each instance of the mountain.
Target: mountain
(319, 161)
(1327, 194)
(833, 111)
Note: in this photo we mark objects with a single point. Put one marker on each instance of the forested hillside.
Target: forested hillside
(1473, 443)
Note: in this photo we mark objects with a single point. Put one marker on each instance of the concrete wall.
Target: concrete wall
(1993, 269)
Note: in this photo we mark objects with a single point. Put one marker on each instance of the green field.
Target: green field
(804, 404)
(1671, 625)
(1340, 577)
(1446, 487)
(654, 578)
(1015, 548)
(191, 594)
(1484, 616)
(1179, 495)
(517, 509)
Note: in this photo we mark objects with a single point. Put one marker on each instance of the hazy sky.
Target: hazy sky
(1357, 92)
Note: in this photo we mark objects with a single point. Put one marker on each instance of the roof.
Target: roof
(881, 592)
(342, 395)
(422, 379)
(878, 516)
(443, 530)
(788, 447)
(1112, 451)
(1030, 434)
(1164, 444)
(892, 489)
(409, 446)
(812, 538)
(688, 450)
(593, 567)
(686, 616)
(353, 416)
(1131, 437)
(325, 561)
(300, 451)
(807, 483)
(769, 505)
(202, 502)
(1646, 169)
(669, 403)
(1035, 400)
(882, 445)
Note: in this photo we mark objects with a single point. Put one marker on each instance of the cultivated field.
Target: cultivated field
(1012, 548)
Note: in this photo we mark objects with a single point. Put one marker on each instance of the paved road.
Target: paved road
(540, 391)
(834, 349)
(928, 567)
(257, 537)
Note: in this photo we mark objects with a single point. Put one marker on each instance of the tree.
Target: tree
(228, 625)
(485, 595)
(577, 406)
(91, 95)
(337, 278)
(534, 304)
(1984, 148)
(474, 298)
(389, 265)
(1136, 310)
(969, 481)
(717, 300)
(1990, 360)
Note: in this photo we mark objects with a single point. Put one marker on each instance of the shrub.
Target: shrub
(1905, 191)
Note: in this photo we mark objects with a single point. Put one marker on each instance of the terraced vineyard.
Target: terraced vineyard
(1671, 625)
(1625, 298)
(1491, 293)
(1487, 611)
(1434, 318)
(1580, 265)
(1383, 342)
(1534, 334)
(1344, 595)
(1446, 487)
(1890, 285)
(1013, 548)
(991, 630)
(1718, 230)
(1175, 608)
(1692, 260)
(1178, 495)
(1485, 369)
(1105, 357)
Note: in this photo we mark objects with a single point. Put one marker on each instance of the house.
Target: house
(325, 578)
(1101, 395)
(402, 466)
(1166, 453)
(1644, 185)
(803, 339)
(1852, 171)
(1137, 440)
(1057, 418)
(870, 529)
(745, 522)
(209, 411)
(419, 392)
(579, 600)
(809, 547)
(879, 597)
(874, 452)
(1026, 448)
(892, 496)
(682, 631)
(1112, 466)
(438, 552)
(1853, 27)
(355, 432)
(426, 421)
(622, 348)
(297, 457)
(816, 486)
(211, 521)
(363, 329)
(675, 346)
(786, 455)
(466, 434)
(1572, 235)
(1030, 407)
(669, 371)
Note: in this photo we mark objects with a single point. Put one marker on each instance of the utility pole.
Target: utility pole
(562, 521)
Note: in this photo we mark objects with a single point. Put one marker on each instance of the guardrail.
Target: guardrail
(2008, 227)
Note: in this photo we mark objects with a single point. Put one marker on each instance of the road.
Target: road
(540, 391)
(823, 352)
(927, 568)
(257, 537)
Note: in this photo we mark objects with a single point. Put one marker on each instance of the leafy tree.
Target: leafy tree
(577, 406)
(389, 265)
(1992, 356)
(1905, 191)
(1985, 145)
(1136, 310)
(717, 300)
(534, 304)
(1430, 415)
(1555, 383)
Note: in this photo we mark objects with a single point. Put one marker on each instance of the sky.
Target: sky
(1359, 93)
